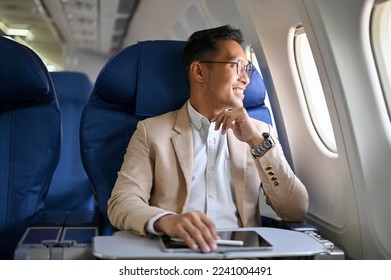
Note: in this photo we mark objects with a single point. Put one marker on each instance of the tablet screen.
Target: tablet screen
(251, 241)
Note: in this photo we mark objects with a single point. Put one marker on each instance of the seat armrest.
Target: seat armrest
(302, 226)
(59, 235)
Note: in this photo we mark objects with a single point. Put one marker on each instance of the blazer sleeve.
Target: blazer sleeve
(284, 191)
(128, 207)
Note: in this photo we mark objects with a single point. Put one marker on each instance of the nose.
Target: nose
(244, 78)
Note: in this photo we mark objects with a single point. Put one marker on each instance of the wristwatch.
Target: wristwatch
(264, 146)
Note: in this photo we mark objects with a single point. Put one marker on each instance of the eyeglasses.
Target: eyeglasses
(241, 67)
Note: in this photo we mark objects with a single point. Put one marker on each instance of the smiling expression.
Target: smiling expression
(224, 87)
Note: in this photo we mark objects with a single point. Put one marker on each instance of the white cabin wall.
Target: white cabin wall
(178, 19)
(158, 20)
(86, 62)
(348, 196)
(344, 43)
(332, 200)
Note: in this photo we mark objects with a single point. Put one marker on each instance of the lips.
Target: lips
(239, 91)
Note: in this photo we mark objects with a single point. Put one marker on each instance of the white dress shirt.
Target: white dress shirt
(212, 189)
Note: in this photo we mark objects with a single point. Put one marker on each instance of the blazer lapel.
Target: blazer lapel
(238, 152)
(183, 146)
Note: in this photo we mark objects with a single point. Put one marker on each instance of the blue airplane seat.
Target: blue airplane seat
(70, 189)
(142, 80)
(130, 87)
(254, 99)
(30, 140)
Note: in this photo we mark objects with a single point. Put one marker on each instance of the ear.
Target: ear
(197, 71)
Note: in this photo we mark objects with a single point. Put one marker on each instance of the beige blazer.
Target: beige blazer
(157, 171)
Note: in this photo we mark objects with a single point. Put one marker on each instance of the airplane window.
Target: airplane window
(313, 91)
(381, 45)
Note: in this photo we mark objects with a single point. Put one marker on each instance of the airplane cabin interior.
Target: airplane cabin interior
(76, 76)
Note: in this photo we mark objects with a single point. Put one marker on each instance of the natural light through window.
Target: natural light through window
(381, 43)
(313, 90)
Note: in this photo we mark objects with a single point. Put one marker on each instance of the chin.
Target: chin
(239, 102)
(237, 105)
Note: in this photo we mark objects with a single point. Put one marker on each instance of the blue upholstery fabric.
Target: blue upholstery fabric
(140, 81)
(162, 86)
(254, 99)
(30, 140)
(70, 188)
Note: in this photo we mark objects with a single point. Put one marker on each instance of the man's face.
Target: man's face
(224, 86)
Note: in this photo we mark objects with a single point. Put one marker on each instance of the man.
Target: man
(190, 171)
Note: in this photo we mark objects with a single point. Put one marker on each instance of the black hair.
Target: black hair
(203, 43)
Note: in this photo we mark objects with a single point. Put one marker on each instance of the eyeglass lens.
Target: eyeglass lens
(241, 68)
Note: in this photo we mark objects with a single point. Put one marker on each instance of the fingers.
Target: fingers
(198, 231)
(240, 123)
(228, 120)
(194, 228)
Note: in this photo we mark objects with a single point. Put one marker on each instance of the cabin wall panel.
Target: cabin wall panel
(328, 180)
(345, 41)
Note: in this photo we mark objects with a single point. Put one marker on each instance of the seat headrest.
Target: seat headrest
(147, 76)
(71, 87)
(255, 92)
(22, 78)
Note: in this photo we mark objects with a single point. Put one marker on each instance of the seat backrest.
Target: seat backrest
(70, 188)
(30, 140)
(254, 99)
(142, 80)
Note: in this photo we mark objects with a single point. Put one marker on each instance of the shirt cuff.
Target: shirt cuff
(149, 226)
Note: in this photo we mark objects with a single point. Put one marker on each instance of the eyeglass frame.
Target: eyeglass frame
(245, 68)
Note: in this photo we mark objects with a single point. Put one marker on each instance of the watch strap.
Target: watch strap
(264, 146)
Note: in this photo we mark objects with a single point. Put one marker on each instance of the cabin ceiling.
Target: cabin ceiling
(97, 26)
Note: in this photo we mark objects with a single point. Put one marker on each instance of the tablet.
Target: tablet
(241, 241)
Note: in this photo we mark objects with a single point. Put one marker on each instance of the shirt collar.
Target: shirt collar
(196, 118)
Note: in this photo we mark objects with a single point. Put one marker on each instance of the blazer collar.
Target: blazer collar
(182, 122)
(183, 146)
